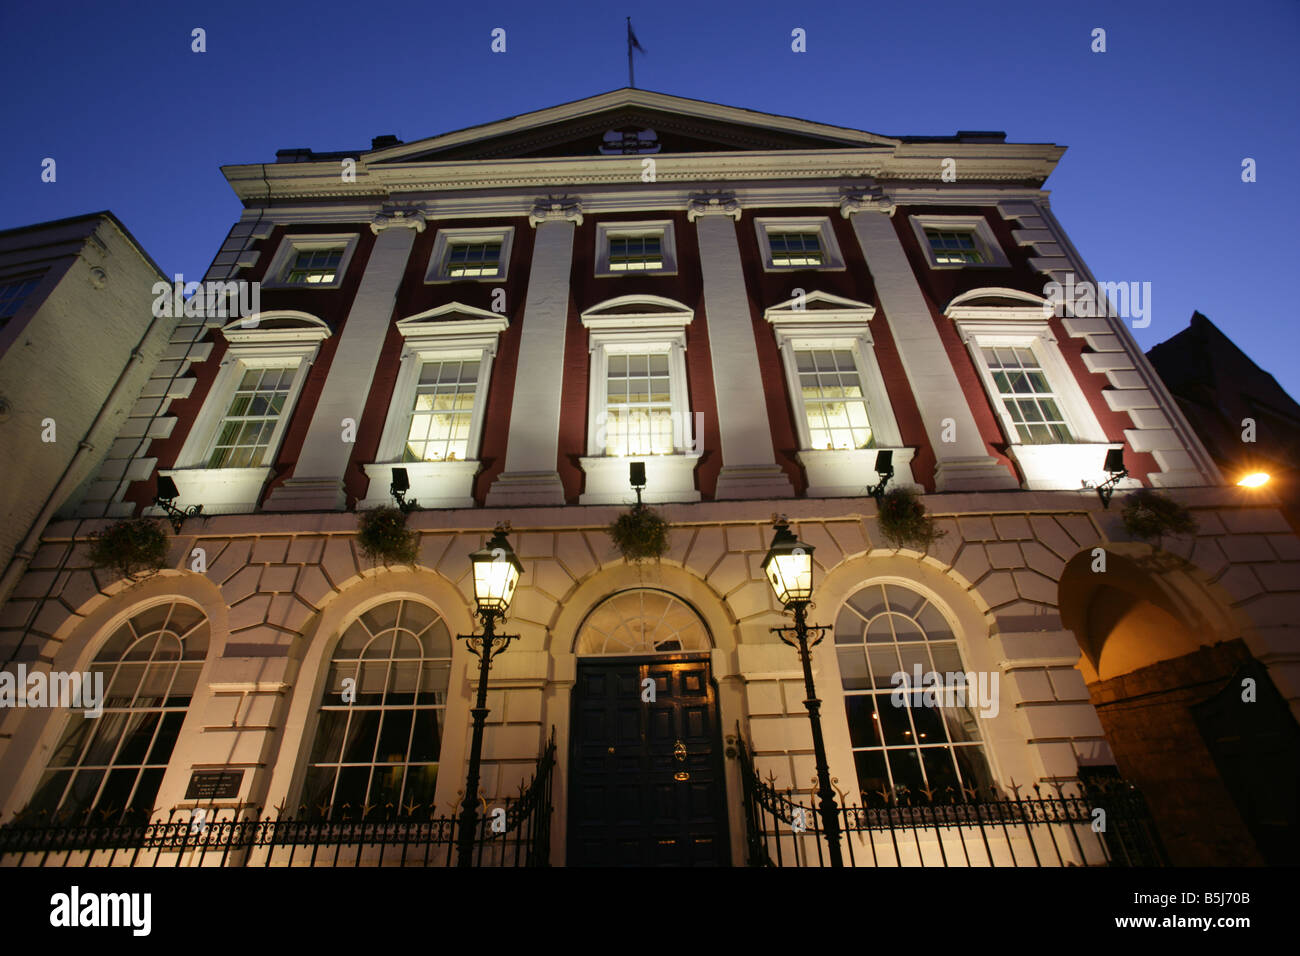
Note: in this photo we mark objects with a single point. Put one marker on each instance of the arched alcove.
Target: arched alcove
(1157, 642)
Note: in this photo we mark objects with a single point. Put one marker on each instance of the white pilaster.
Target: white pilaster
(749, 469)
(317, 481)
(532, 449)
(964, 463)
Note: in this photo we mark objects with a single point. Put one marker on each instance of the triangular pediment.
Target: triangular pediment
(818, 306)
(628, 122)
(454, 318)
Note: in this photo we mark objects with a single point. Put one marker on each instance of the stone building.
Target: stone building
(78, 341)
(754, 306)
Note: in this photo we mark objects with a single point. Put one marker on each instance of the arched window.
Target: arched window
(115, 762)
(381, 715)
(899, 741)
(642, 621)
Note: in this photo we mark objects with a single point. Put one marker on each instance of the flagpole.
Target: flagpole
(631, 77)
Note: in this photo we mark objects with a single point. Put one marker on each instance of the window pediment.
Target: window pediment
(638, 312)
(453, 322)
(819, 310)
(999, 303)
(276, 328)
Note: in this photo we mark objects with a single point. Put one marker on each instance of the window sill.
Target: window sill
(434, 484)
(1064, 467)
(219, 490)
(849, 472)
(668, 478)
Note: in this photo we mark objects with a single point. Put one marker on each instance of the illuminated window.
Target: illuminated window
(951, 247)
(958, 242)
(639, 408)
(114, 763)
(478, 254)
(796, 249)
(1029, 400)
(436, 414)
(882, 630)
(474, 260)
(790, 244)
(311, 261)
(315, 266)
(381, 747)
(623, 247)
(250, 422)
(635, 253)
(443, 410)
(831, 389)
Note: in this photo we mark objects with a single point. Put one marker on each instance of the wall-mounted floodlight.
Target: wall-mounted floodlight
(166, 500)
(1114, 467)
(1256, 479)
(636, 477)
(398, 489)
(885, 469)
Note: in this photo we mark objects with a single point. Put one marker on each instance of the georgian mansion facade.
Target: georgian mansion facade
(754, 306)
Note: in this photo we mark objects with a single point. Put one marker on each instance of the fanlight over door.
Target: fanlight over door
(642, 621)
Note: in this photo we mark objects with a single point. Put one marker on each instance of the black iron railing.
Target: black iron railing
(1074, 824)
(326, 837)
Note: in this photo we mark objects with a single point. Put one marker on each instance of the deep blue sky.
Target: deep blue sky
(1149, 191)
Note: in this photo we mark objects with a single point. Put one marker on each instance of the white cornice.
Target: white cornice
(650, 199)
(1020, 164)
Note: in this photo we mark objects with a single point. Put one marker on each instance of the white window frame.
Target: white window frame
(819, 320)
(987, 243)
(1046, 467)
(658, 326)
(449, 332)
(605, 231)
(266, 340)
(821, 225)
(446, 238)
(293, 244)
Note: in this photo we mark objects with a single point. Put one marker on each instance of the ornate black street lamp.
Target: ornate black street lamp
(496, 572)
(788, 567)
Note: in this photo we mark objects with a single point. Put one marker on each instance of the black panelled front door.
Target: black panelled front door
(646, 785)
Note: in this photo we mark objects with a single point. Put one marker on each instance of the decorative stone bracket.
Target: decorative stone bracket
(710, 204)
(562, 208)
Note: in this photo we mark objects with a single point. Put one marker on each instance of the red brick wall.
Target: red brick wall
(1158, 747)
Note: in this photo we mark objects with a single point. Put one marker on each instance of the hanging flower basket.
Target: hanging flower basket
(640, 534)
(904, 522)
(385, 539)
(129, 547)
(1149, 516)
